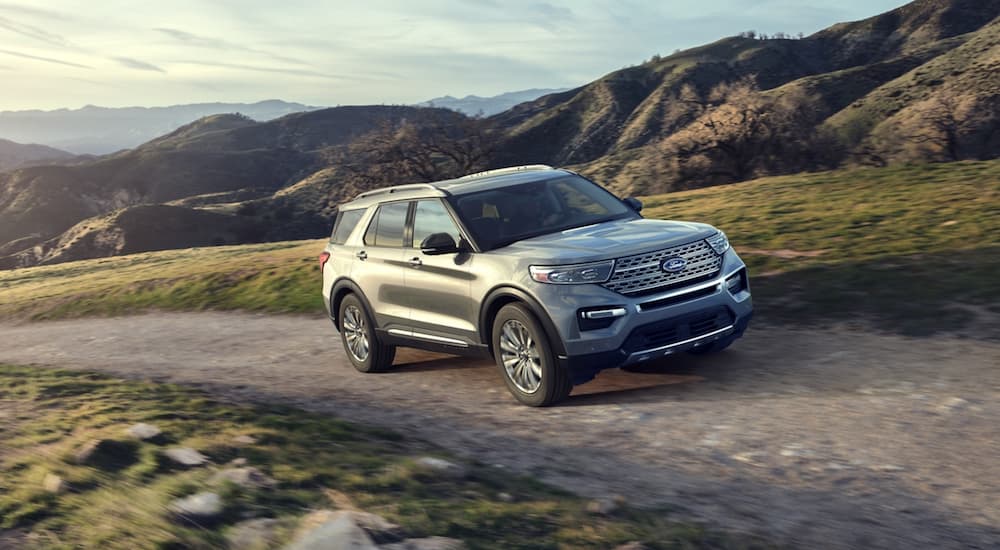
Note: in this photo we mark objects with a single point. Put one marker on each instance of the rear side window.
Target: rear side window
(387, 226)
(346, 222)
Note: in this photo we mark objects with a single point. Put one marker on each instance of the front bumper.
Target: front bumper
(584, 368)
(652, 326)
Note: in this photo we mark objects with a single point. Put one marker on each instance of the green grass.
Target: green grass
(915, 249)
(45, 415)
(274, 278)
(912, 248)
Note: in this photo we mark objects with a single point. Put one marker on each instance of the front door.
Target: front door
(438, 287)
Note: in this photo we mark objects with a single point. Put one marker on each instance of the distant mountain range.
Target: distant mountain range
(474, 105)
(101, 130)
(918, 83)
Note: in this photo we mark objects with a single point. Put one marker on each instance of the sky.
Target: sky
(114, 53)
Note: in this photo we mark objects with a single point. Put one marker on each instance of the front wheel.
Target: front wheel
(525, 358)
(357, 332)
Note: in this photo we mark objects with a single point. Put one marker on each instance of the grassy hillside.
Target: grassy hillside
(912, 249)
(46, 417)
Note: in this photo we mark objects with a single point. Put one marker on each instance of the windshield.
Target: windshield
(501, 216)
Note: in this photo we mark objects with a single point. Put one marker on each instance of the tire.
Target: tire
(524, 356)
(714, 347)
(361, 344)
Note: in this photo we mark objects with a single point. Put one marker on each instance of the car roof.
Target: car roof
(481, 181)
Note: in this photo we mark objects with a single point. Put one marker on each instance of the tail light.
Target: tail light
(323, 258)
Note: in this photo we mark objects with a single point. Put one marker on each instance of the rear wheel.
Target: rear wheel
(357, 332)
(525, 358)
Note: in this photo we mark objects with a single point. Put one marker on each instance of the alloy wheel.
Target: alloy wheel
(520, 356)
(356, 333)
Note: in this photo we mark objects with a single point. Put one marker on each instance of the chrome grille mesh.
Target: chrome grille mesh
(641, 274)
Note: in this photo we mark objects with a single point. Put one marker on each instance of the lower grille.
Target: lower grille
(642, 274)
(678, 329)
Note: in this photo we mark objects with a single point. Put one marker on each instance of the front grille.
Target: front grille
(671, 331)
(641, 274)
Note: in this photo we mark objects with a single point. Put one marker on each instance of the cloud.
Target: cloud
(35, 12)
(138, 65)
(45, 59)
(256, 68)
(219, 44)
(32, 32)
(551, 11)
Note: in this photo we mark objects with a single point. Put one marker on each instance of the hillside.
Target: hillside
(214, 155)
(103, 130)
(855, 77)
(17, 155)
(135, 229)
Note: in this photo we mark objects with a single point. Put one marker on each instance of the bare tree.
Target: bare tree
(418, 151)
(741, 132)
(939, 130)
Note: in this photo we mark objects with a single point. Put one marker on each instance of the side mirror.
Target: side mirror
(633, 203)
(438, 243)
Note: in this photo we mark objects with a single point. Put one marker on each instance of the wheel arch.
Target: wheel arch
(341, 288)
(501, 296)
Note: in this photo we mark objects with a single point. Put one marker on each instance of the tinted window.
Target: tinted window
(432, 217)
(501, 216)
(387, 226)
(346, 222)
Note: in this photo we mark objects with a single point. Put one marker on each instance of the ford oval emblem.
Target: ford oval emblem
(673, 265)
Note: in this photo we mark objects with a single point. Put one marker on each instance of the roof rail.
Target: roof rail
(396, 189)
(511, 170)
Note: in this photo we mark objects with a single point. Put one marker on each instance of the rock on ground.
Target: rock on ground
(203, 506)
(185, 456)
(442, 466)
(340, 532)
(379, 529)
(428, 543)
(54, 484)
(144, 432)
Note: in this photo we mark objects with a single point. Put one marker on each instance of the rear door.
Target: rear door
(441, 309)
(378, 268)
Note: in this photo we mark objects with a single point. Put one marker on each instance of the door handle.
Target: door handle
(362, 255)
(415, 262)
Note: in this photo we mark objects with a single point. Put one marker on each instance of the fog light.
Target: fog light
(737, 282)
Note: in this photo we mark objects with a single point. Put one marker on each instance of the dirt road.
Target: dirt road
(814, 438)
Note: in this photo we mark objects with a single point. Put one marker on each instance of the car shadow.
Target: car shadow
(412, 360)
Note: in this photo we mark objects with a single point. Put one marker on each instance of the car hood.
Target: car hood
(609, 240)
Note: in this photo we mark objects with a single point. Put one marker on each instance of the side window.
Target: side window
(432, 217)
(387, 226)
(346, 222)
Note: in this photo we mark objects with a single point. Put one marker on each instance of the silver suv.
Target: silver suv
(541, 269)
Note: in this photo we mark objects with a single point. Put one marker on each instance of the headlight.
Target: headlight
(597, 272)
(719, 243)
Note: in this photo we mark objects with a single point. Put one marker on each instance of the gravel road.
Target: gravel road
(818, 439)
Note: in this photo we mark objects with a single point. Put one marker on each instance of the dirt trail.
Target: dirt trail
(829, 439)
